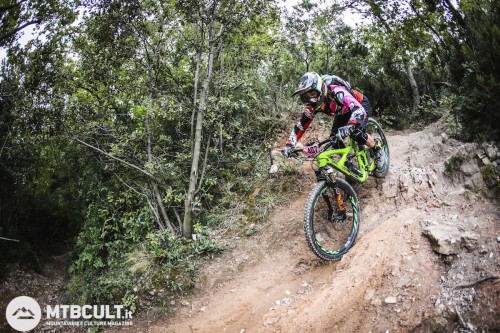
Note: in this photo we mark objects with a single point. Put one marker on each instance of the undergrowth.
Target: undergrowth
(454, 163)
(126, 260)
(491, 176)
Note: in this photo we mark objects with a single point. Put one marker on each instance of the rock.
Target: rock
(480, 154)
(390, 300)
(470, 168)
(444, 137)
(390, 189)
(438, 324)
(476, 182)
(369, 294)
(270, 322)
(273, 169)
(283, 302)
(444, 239)
(471, 327)
(404, 281)
(490, 150)
(405, 181)
(418, 160)
(470, 148)
(470, 240)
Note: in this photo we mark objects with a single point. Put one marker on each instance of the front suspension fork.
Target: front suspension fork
(330, 178)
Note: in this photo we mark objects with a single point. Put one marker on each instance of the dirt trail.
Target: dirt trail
(391, 281)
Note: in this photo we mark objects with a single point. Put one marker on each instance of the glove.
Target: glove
(287, 150)
(345, 131)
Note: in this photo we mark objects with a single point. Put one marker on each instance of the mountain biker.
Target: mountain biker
(332, 95)
(360, 97)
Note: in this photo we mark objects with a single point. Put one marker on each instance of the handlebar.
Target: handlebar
(329, 142)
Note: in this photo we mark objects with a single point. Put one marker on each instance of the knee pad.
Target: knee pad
(359, 136)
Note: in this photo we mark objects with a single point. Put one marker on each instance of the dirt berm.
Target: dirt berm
(426, 258)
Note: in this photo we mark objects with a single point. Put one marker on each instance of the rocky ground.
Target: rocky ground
(426, 258)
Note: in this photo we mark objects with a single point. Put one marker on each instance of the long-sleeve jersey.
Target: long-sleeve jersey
(349, 105)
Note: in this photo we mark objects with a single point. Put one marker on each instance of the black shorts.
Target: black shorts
(365, 103)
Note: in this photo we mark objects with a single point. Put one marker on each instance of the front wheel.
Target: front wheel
(331, 219)
(375, 130)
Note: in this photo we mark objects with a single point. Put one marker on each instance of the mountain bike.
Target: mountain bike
(332, 212)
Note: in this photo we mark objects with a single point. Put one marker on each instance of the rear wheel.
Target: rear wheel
(331, 219)
(375, 130)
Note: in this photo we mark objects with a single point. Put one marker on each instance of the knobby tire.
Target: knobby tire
(327, 237)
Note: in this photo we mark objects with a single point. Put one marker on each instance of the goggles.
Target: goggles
(312, 97)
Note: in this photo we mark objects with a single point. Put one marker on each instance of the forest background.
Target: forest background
(128, 126)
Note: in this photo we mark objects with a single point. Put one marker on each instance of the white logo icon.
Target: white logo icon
(23, 313)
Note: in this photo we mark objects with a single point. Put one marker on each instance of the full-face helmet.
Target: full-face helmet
(311, 89)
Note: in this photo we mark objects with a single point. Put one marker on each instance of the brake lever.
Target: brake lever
(328, 145)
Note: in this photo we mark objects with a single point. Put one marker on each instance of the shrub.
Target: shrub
(454, 163)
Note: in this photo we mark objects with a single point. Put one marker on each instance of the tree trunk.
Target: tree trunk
(189, 209)
(414, 90)
(197, 79)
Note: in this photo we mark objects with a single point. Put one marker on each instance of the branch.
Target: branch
(7, 7)
(130, 187)
(221, 31)
(204, 167)
(235, 87)
(461, 318)
(348, 5)
(472, 284)
(118, 159)
(431, 28)
(178, 217)
(456, 14)
(9, 239)
(155, 215)
(163, 211)
(3, 146)
(15, 30)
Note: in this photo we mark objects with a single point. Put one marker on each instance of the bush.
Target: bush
(167, 262)
(491, 176)
(454, 163)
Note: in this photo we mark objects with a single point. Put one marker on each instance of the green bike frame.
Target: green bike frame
(365, 166)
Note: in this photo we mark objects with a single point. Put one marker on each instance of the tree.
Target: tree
(301, 32)
(16, 15)
(225, 16)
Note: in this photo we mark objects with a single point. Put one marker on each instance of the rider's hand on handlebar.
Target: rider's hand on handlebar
(287, 150)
